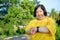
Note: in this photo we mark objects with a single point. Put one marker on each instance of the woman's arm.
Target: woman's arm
(43, 29)
(32, 30)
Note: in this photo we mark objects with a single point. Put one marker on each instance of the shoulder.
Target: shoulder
(50, 19)
(32, 21)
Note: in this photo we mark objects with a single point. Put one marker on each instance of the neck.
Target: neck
(41, 18)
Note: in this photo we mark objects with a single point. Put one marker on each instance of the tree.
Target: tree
(36, 2)
(17, 11)
(58, 19)
(53, 13)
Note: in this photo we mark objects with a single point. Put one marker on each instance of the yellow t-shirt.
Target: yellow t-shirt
(49, 23)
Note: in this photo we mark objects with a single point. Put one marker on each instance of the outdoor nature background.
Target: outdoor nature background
(16, 14)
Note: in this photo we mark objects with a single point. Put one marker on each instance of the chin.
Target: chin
(39, 18)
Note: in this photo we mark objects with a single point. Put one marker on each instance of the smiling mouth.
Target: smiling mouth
(40, 16)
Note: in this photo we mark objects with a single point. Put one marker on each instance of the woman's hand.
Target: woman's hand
(32, 30)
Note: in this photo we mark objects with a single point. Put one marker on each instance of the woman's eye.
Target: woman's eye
(40, 11)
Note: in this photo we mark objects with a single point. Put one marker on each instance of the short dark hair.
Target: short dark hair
(42, 7)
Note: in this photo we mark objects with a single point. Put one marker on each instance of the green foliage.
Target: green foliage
(1, 31)
(18, 11)
(2, 1)
(20, 30)
(53, 14)
(27, 9)
(36, 2)
(58, 33)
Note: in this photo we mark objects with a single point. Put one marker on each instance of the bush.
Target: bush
(20, 30)
(58, 33)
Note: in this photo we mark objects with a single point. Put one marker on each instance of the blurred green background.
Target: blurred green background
(16, 14)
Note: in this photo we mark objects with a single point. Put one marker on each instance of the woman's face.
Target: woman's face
(39, 13)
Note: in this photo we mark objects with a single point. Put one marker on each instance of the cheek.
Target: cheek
(36, 14)
(42, 13)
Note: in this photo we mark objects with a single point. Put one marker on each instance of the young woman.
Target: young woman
(42, 27)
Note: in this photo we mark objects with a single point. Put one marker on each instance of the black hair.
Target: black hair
(42, 7)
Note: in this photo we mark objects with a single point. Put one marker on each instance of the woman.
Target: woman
(42, 27)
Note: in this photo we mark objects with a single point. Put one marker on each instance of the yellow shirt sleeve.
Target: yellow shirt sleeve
(51, 25)
(31, 23)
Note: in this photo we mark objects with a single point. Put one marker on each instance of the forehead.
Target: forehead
(39, 9)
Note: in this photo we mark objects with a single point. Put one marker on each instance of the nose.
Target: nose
(39, 13)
